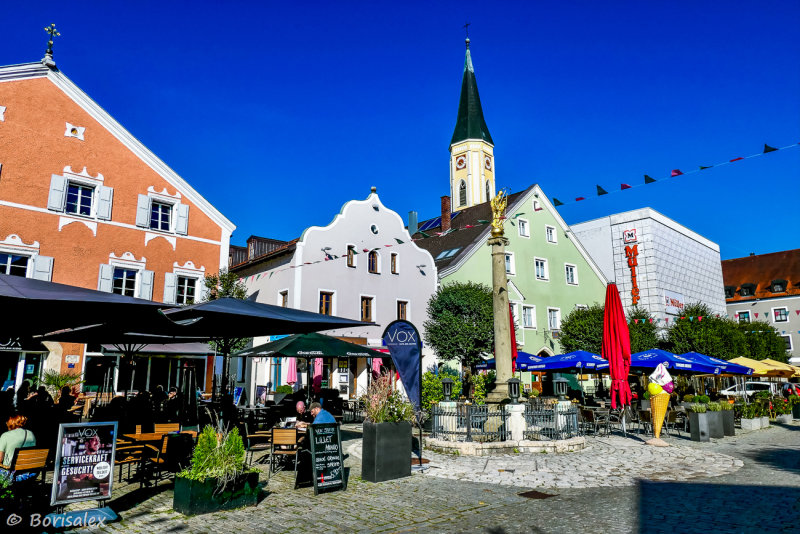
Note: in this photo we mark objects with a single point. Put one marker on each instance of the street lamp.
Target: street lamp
(560, 387)
(447, 388)
(513, 390)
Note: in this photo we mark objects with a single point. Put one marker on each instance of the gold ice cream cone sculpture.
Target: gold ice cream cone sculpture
(658, 407)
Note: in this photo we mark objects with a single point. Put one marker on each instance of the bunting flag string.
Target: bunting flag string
(677, 172)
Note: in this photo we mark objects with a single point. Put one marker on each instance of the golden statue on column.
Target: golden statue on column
(498, 204)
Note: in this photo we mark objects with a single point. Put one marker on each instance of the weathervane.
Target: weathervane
(48, 56)
(466, 29)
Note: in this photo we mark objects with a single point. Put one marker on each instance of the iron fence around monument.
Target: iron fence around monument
(550, 422)
(470, 422)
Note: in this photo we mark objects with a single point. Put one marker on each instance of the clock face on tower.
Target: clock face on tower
(461, 162)
(487, 161)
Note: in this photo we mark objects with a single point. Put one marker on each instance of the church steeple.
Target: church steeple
(471, 148)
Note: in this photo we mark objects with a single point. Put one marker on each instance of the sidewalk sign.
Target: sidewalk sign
(84, 468)
(326, 457)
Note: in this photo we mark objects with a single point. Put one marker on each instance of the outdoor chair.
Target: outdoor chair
(673, 423)
(29, 460)
(616, 418)
(284, 443)
(174, 454)
(127, 454)
(164, 428)
(595, 420)
(645, 420)
(256, 441)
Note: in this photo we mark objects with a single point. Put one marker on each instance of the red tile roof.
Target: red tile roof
(761, 271)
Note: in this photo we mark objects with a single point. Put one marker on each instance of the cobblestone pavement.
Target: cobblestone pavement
(749, 483)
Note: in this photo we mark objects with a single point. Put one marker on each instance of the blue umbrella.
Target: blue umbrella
(484, 365)
(650, 359)
(579, 359)
(725, 367)
(525, 360)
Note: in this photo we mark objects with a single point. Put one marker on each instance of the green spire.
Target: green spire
(470, 123)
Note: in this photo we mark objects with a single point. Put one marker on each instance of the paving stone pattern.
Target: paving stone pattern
(750, 483)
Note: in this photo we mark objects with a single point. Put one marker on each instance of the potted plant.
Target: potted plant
(783, 411)
(715, 424)
(728, 426)
(386, 442)
(698, 422)
(751, 418)
(794, 400)
(687, 400)
(217, 478)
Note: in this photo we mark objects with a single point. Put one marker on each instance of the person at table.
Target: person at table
(320, 416)
(303, 415)
(10, 441)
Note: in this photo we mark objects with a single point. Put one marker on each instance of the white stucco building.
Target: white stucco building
(657, 263)
(363, 266)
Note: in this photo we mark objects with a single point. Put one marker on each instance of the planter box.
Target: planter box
(796, 411)
(784, 419)
(728, 426)
(698, 426)
(751, 424)
(764, 422)
(386, 452)
(715, 428)
(195, 497)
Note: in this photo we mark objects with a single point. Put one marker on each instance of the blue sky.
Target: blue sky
(280, 112)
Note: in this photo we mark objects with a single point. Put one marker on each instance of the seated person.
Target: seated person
(66, 400)
(320, 416)
(10, 441)
(303, 415)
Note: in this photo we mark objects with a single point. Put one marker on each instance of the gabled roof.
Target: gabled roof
(470, 123)
(287, 248)
(39, 70)
(761, 271)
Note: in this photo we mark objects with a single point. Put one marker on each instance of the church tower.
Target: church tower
(472, 148)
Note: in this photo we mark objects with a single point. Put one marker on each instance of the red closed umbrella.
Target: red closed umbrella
(513, 340)
(617, 347)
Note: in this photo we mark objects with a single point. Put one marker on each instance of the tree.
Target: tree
(763, 341)
(642, 329)
(701, 331)
(226, 284)
(461, 322)
(583, 330)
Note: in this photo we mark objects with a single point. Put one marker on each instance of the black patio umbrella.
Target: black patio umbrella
(311, 345)
(38, 307)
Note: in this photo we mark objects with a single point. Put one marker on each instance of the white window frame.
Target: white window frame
(279, 301)
(333, 299)
(27, 256)
(177, 210)
(197, 289)
(738, 315)
(408, 308)
(547, 237)
(39, 267)
(791, 345)
(92, 204)
(355, 255)
(171, 225)
(394, 257)
(558, 316)
(137, 283)
(374, 306)
(524, 223)
(574, 274)
(532, 309)
(101, 194)
(546, 270)
(377, 263)
(510, 264)
(772, 314)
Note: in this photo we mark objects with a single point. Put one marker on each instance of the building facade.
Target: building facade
(657, 263)
(363, 266)
(83, 202)
(766, 287)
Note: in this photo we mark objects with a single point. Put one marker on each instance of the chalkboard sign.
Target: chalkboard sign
(326, 457)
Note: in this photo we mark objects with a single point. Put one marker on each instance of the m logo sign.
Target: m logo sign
(629, 236)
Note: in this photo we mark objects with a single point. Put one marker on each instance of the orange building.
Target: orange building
(83, 202)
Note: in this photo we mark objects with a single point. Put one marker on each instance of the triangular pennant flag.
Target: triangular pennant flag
(699, 318)
(623, 187)
(636, 321)
(399, 242)
(651, 320)
(768, 148)
(578, 199)
(648, 179)
(601, 191)
(365, 250)
(424, 234)
(557, 202)
(326, 258)
(736, 159)
(675, 172)
(387, 245)
(704, 167)
(270, 274)
(691, 319)
(684, 317)
(797, 312)
(483, 221)
(517, 215)
(756, 315)
(666, 319)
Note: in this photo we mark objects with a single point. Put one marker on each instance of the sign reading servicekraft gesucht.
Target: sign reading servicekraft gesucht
(326, 457)
(84, 468)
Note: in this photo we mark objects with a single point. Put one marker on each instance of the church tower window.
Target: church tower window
(462, 193)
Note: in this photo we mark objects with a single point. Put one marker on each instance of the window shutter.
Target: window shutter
(43, 268)
(170, 288)
(58, 191)
(181, 219)
(105, 280)
(146, 286)
(105, 196)
(143, 211)
(201, 290)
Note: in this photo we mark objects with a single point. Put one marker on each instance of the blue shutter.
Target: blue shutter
(143, 211)
(58, 193)
(105, 197)
(43, 268)
(170, 288)
(106, 278)
(181, 219)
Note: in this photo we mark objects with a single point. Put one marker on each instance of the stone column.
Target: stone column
(502, 326)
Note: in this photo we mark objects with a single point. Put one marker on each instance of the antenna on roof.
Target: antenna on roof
(48, 55)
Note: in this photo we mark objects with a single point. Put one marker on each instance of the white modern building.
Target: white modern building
(362, 266)
(656, 262)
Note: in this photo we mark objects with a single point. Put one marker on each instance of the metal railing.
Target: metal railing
(550, 421)
(470, 422)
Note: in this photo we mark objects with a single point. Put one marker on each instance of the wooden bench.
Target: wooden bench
(29, 460)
